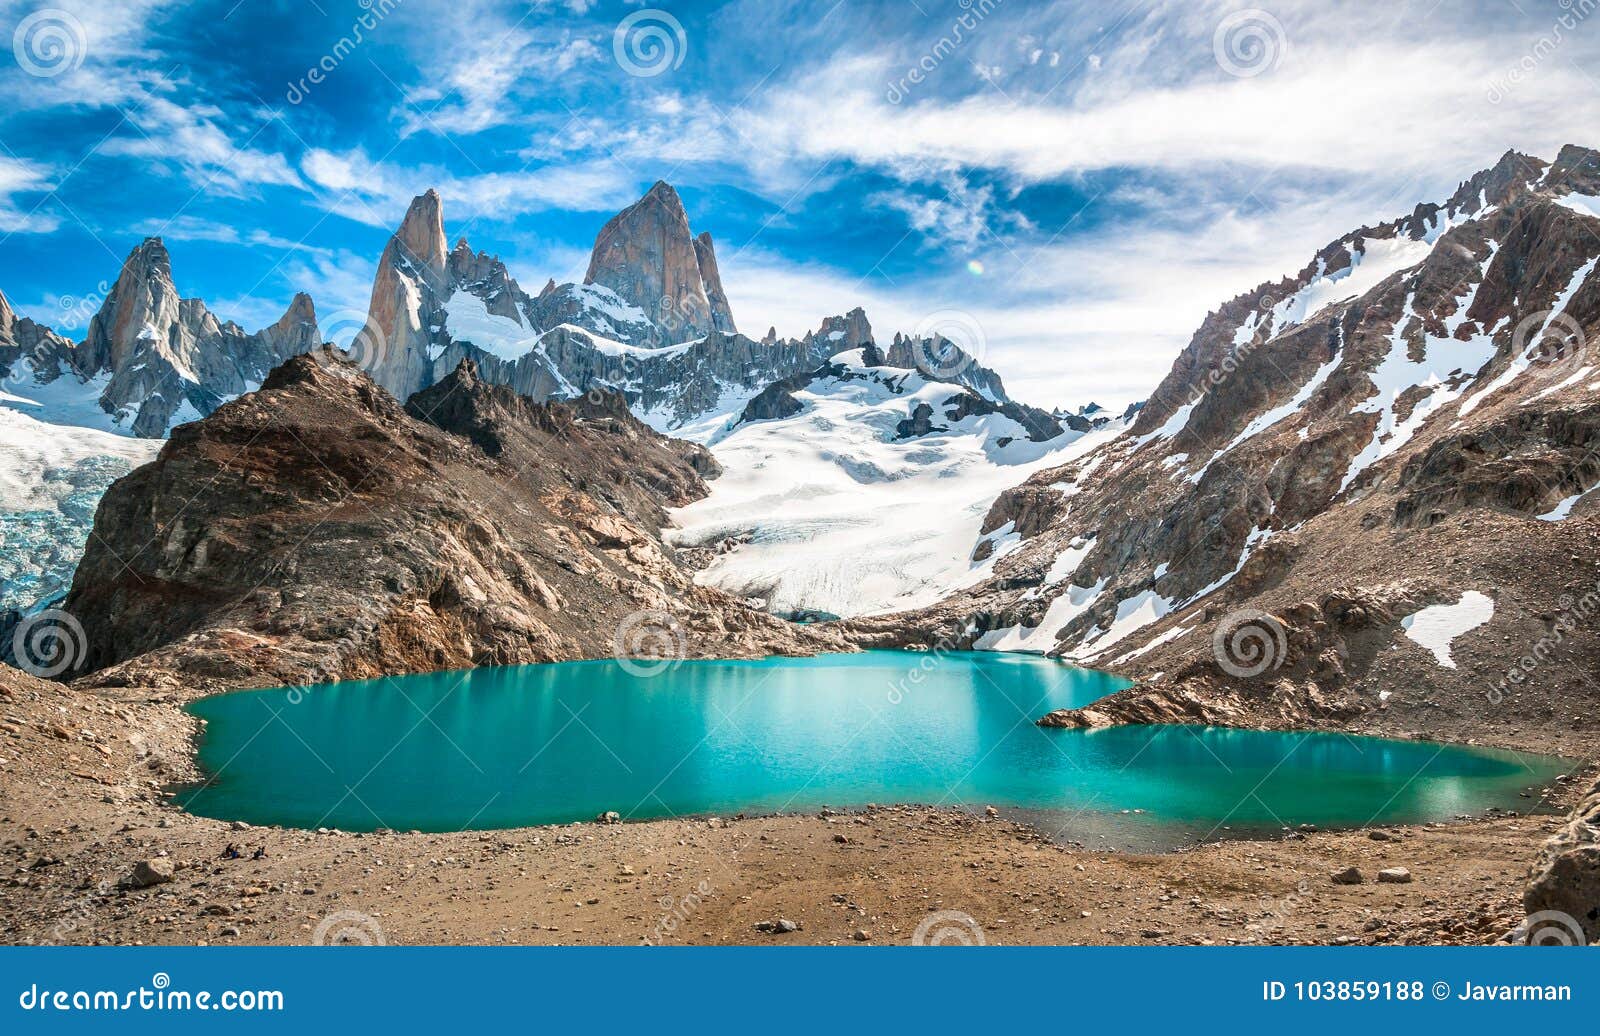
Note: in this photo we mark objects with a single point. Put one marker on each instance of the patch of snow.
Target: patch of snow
(1067, 562)
(1438, 625)
(843, 517)
(1443, 359)
(1525, 360)
(467, 319)
(1133, 614)
(1586, 204)
(1072, 602)
(1377, 260)
(1163, 638)
(1564, 508)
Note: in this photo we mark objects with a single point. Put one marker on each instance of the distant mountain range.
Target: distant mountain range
(651, 321)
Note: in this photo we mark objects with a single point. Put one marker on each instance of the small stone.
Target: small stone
(991, 811)
(152, 872)
(610, 816)
(1395, 875)
(1348, 876)
(1380, 836)
(862, 935)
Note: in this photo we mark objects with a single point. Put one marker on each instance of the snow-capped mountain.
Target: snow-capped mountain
(651, 320)
(862, 487)
(151, 359)
(1397, 439)
(76, 416)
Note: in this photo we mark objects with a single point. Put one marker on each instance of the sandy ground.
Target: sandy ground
(82, 803)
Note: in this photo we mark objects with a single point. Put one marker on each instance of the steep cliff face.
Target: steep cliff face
(1374, 475)
(649, 257)
(151, 359)
(316, 529)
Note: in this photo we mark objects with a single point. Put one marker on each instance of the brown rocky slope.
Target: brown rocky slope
(318, 530)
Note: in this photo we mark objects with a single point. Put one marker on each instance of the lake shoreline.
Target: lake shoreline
(82, 811)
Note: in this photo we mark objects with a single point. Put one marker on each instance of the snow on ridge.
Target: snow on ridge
(1583, 204)
(1437, 626)
(467, 319)
(843, 517)
(1524, 360)
(1370, 265)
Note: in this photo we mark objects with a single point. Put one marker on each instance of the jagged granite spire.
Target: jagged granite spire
(412, 278)
(711, 280)
(648, 256)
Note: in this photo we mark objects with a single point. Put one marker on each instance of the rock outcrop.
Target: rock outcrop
(648, 256)
(1564, 892)
(317, 530)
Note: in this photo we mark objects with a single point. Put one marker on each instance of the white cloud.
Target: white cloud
(21, 177)
(353, 185)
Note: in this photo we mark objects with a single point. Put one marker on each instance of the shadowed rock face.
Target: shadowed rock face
(317, 530)
(160, 358)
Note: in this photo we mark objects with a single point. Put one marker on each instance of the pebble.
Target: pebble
(1395, 875)
(1348, 876)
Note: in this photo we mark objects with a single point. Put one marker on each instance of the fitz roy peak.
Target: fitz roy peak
(651, 320)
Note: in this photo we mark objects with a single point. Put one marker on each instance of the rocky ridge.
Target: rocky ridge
(318, 530)
(1357, 500)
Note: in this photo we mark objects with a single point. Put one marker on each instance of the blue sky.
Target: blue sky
(1082, 181)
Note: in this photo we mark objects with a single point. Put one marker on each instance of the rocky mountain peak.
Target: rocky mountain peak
(705, 254)
(421, 233)
(648, 256)
(1576, 168)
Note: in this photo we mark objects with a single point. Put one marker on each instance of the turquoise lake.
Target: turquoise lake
(503, 747)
